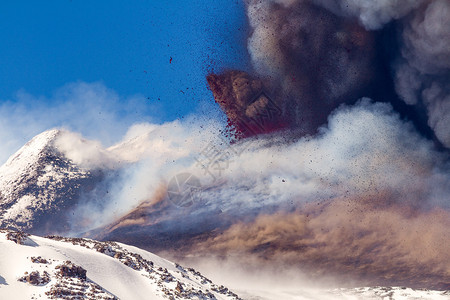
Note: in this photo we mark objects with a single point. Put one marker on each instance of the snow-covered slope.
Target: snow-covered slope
(38, 184)
(33, 267)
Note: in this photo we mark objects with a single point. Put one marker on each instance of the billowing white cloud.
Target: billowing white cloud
(91, 109)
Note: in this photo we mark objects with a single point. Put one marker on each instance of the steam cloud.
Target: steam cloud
(135, 167)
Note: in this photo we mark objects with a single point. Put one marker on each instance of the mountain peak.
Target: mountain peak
(39, 181)
(32, 149)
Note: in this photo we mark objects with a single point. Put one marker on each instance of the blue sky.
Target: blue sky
(125, 45)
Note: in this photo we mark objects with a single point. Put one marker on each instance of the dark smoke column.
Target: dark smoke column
(307, 62)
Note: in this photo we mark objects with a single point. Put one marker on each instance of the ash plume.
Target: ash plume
(310, 56)
(309, 60)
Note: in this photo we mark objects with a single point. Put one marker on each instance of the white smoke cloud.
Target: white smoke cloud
(438, 107)
(426, 38)
(88, 108)
(85, 153)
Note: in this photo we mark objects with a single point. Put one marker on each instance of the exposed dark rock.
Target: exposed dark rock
(68, 269)
(35, 278)
(17, 237)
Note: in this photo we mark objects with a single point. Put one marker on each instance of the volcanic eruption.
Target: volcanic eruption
(363, 188)
(338, 162)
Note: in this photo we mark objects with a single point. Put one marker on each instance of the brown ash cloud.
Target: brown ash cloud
(388, 245)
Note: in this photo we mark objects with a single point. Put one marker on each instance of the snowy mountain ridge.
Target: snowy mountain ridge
(33, 267)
